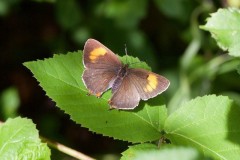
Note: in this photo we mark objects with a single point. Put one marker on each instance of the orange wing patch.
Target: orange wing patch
(96, 53)
(152, 83)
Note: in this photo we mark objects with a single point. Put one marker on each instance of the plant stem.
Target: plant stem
(67, 150)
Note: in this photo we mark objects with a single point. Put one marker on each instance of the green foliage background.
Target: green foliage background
(163, 33)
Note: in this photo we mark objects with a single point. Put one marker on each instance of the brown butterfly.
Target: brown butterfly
(104, 70)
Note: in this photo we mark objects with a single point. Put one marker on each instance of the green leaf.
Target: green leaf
(68, 14)
(175, 153)
(238, 69)
(152, 152)
(209, 123)
(132, 151)
(124, 13)
(60, 77)
(9, 102)
(224, 25)
(179, 9)
(19, 139)
(134, 62)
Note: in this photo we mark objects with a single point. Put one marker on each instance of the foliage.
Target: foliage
(196, 118)
(60, 77)
(20, 140)
(203, 122)
(151, 152)
(224, 27)
(9, 102)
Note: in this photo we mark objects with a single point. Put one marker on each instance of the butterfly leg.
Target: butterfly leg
(99, 95)
(110, 102)
(89, 93)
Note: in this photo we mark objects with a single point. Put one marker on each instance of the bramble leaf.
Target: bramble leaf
(132, 151)
(152, 152)
(209, 123)
(19, 139)
(61, 78)
(224, 25)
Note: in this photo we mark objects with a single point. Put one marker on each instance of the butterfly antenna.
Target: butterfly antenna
(126, 52)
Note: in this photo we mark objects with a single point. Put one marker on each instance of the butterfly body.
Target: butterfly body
(122, 72)
(104, 70)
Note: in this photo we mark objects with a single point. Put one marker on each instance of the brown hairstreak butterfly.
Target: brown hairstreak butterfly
(104, 70)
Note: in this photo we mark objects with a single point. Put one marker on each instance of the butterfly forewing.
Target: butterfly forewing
(96, 55)
(101, 67)
(92, 77)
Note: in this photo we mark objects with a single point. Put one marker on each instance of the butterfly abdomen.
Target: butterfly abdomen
(122, 72)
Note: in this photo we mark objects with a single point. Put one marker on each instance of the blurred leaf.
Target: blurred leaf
(224, 27)
(60, 77)
(233, 3)
(81, 34)
(9, 102)
(229, 66)
(133, 151)
(141, 46)
(152, 152)
(238, 69)
(233, 95)
(178, 9)
(5, 6)
(49, 1)
(20, 140)
(177, 153)
(208, 70)
(68, 13)
(123, 12)
(209, 123)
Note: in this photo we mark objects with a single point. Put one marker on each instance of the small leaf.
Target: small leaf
(19, 139)
(152, 152)
(61, 78)
(134, 62)
(224, 26)
(132, 151)
(176, 153)
(9, 102)
(123, 12)
(209, 123)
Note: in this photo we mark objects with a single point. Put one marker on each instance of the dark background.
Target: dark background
(156, 31)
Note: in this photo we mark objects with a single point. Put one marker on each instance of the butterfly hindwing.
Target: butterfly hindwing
(124, 94)
(137, 84)
(148, 84)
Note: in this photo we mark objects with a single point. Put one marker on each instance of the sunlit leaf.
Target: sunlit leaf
(19, 139)
(224, 25)
(60, 77)
(209, 123)
(133, 151)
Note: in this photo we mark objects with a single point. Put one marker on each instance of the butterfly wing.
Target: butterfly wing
(148, 84)
(96, 55)
(124, 94)
(101, 67)
(137, 84)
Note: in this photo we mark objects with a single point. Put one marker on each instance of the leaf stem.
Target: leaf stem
(66, 150)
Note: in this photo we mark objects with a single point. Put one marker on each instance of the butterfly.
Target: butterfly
(104, 70)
